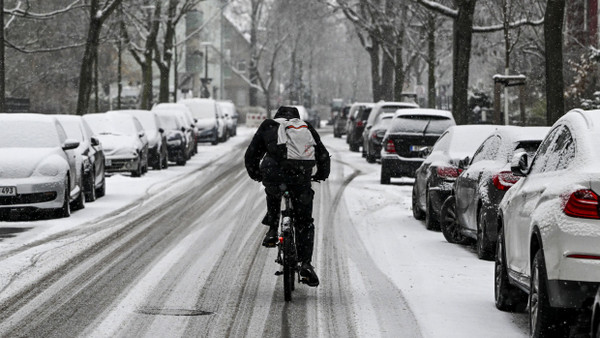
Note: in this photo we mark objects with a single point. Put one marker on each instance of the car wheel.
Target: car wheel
(484, 246)
(79, 202)
(431, 222)
(90, 188)
(507, 297)
(158, 164)
(165, 162)
(354, 147)
(417, 212)
(544, 320)
(385, 175)
(449, 222)
(65, 209)
(100, 192)
(370, 158)
(215, 141)
(138, 172)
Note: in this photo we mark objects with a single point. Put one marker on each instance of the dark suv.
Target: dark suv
(359, 113)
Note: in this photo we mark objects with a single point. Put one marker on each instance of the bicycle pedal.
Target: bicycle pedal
(278, 273)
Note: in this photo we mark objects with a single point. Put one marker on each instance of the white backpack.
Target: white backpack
(300, 143)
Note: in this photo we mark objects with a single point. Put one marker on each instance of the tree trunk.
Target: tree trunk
(86, 72)
(398, 72)
(431, 62)
(553, 40)
(2, 64)
(375, 77)
(146, 99)
(387, 77)
(253, 68)
(164, 65)
(461, 57)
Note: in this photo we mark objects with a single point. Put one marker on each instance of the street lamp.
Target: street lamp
(205, 93)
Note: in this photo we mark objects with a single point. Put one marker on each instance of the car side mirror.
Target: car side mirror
(520, 164)
(70, 144)
(183, 129)
(160, 130)
(193, 126)
(464, 163)
(94, 141)
(369, 127)
(195, 120)
(141, 134)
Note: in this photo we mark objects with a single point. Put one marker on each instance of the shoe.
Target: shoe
(309, 275)
(270, 240)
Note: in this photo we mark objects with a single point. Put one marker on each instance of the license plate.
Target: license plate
(8, 191)
(418, 148)
(107, 163)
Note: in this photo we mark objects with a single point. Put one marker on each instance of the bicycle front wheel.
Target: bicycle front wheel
(288, 268)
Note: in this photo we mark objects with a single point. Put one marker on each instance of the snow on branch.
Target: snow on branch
(499, 27)
(17, 11)
(439, 8)
(42, 50)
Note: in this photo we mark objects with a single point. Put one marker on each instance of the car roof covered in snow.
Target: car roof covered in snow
(424, 111)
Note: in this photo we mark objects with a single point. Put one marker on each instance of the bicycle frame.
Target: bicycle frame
(287, 254)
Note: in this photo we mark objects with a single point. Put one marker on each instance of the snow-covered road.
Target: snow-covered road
(177, 253)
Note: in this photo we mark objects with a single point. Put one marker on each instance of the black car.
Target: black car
(359, 113)
(339, 122)
(434, 179)
(313, 118)
(372, 136)
(409, 139)
(91, 153)
(177, 139)
(481, 186)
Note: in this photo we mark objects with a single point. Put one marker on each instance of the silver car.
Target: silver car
(124, 142)
(38, 170)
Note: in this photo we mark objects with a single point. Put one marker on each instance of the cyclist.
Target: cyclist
(267, 162)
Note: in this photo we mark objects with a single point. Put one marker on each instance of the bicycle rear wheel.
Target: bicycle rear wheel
(289, 261)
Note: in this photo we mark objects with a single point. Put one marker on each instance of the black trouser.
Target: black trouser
(302, 201)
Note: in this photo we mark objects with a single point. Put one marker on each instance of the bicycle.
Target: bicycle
(287, 254)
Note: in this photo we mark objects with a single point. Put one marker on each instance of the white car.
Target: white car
(548, 248)
(189, 121)
(38, 170)
(211, 125)
(231, 116)
(157, 140)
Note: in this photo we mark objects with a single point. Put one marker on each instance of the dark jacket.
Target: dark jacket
(265, 160)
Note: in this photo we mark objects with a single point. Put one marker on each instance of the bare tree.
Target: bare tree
(553, 40)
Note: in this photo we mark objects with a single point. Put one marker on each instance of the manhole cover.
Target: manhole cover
(173, 312)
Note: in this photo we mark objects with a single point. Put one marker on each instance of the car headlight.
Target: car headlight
(47, 169)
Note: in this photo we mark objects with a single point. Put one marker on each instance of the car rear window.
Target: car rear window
(365, 113)
(530, 147)
(430, 124)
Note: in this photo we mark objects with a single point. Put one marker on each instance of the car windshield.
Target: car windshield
(115, 124)
(28, 134)
(430, 124)
(73, 129)
(169, 122)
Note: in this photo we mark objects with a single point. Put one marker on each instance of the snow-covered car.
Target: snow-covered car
(434, 179)
(188, 122)
(548, 249)
(178, 137)
(157, 140)
(209, 120)
(314, 119)
(372, 136)
(339, 121)
(38, 170)
(409, 139)
(231, 116)
(359, 113)
(89, 153)
(124, 142)
(484, 181)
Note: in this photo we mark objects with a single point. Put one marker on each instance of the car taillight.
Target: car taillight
(390, 147)
(448, 172)
(360, 123)
(582, 203)
(504, 180)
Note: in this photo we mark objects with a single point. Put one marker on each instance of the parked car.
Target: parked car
(409, 139)
(124, 142)
(335, 106)
(38, 170)
(549, 227)
(177, 136)
(339, 121)
(357, 117)
(373, 136)
(434, 179)
(313, 118)
(188, 122)
(482, 184)
(210, 123)
(157, 140)
(90, 154)
(231, 116)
